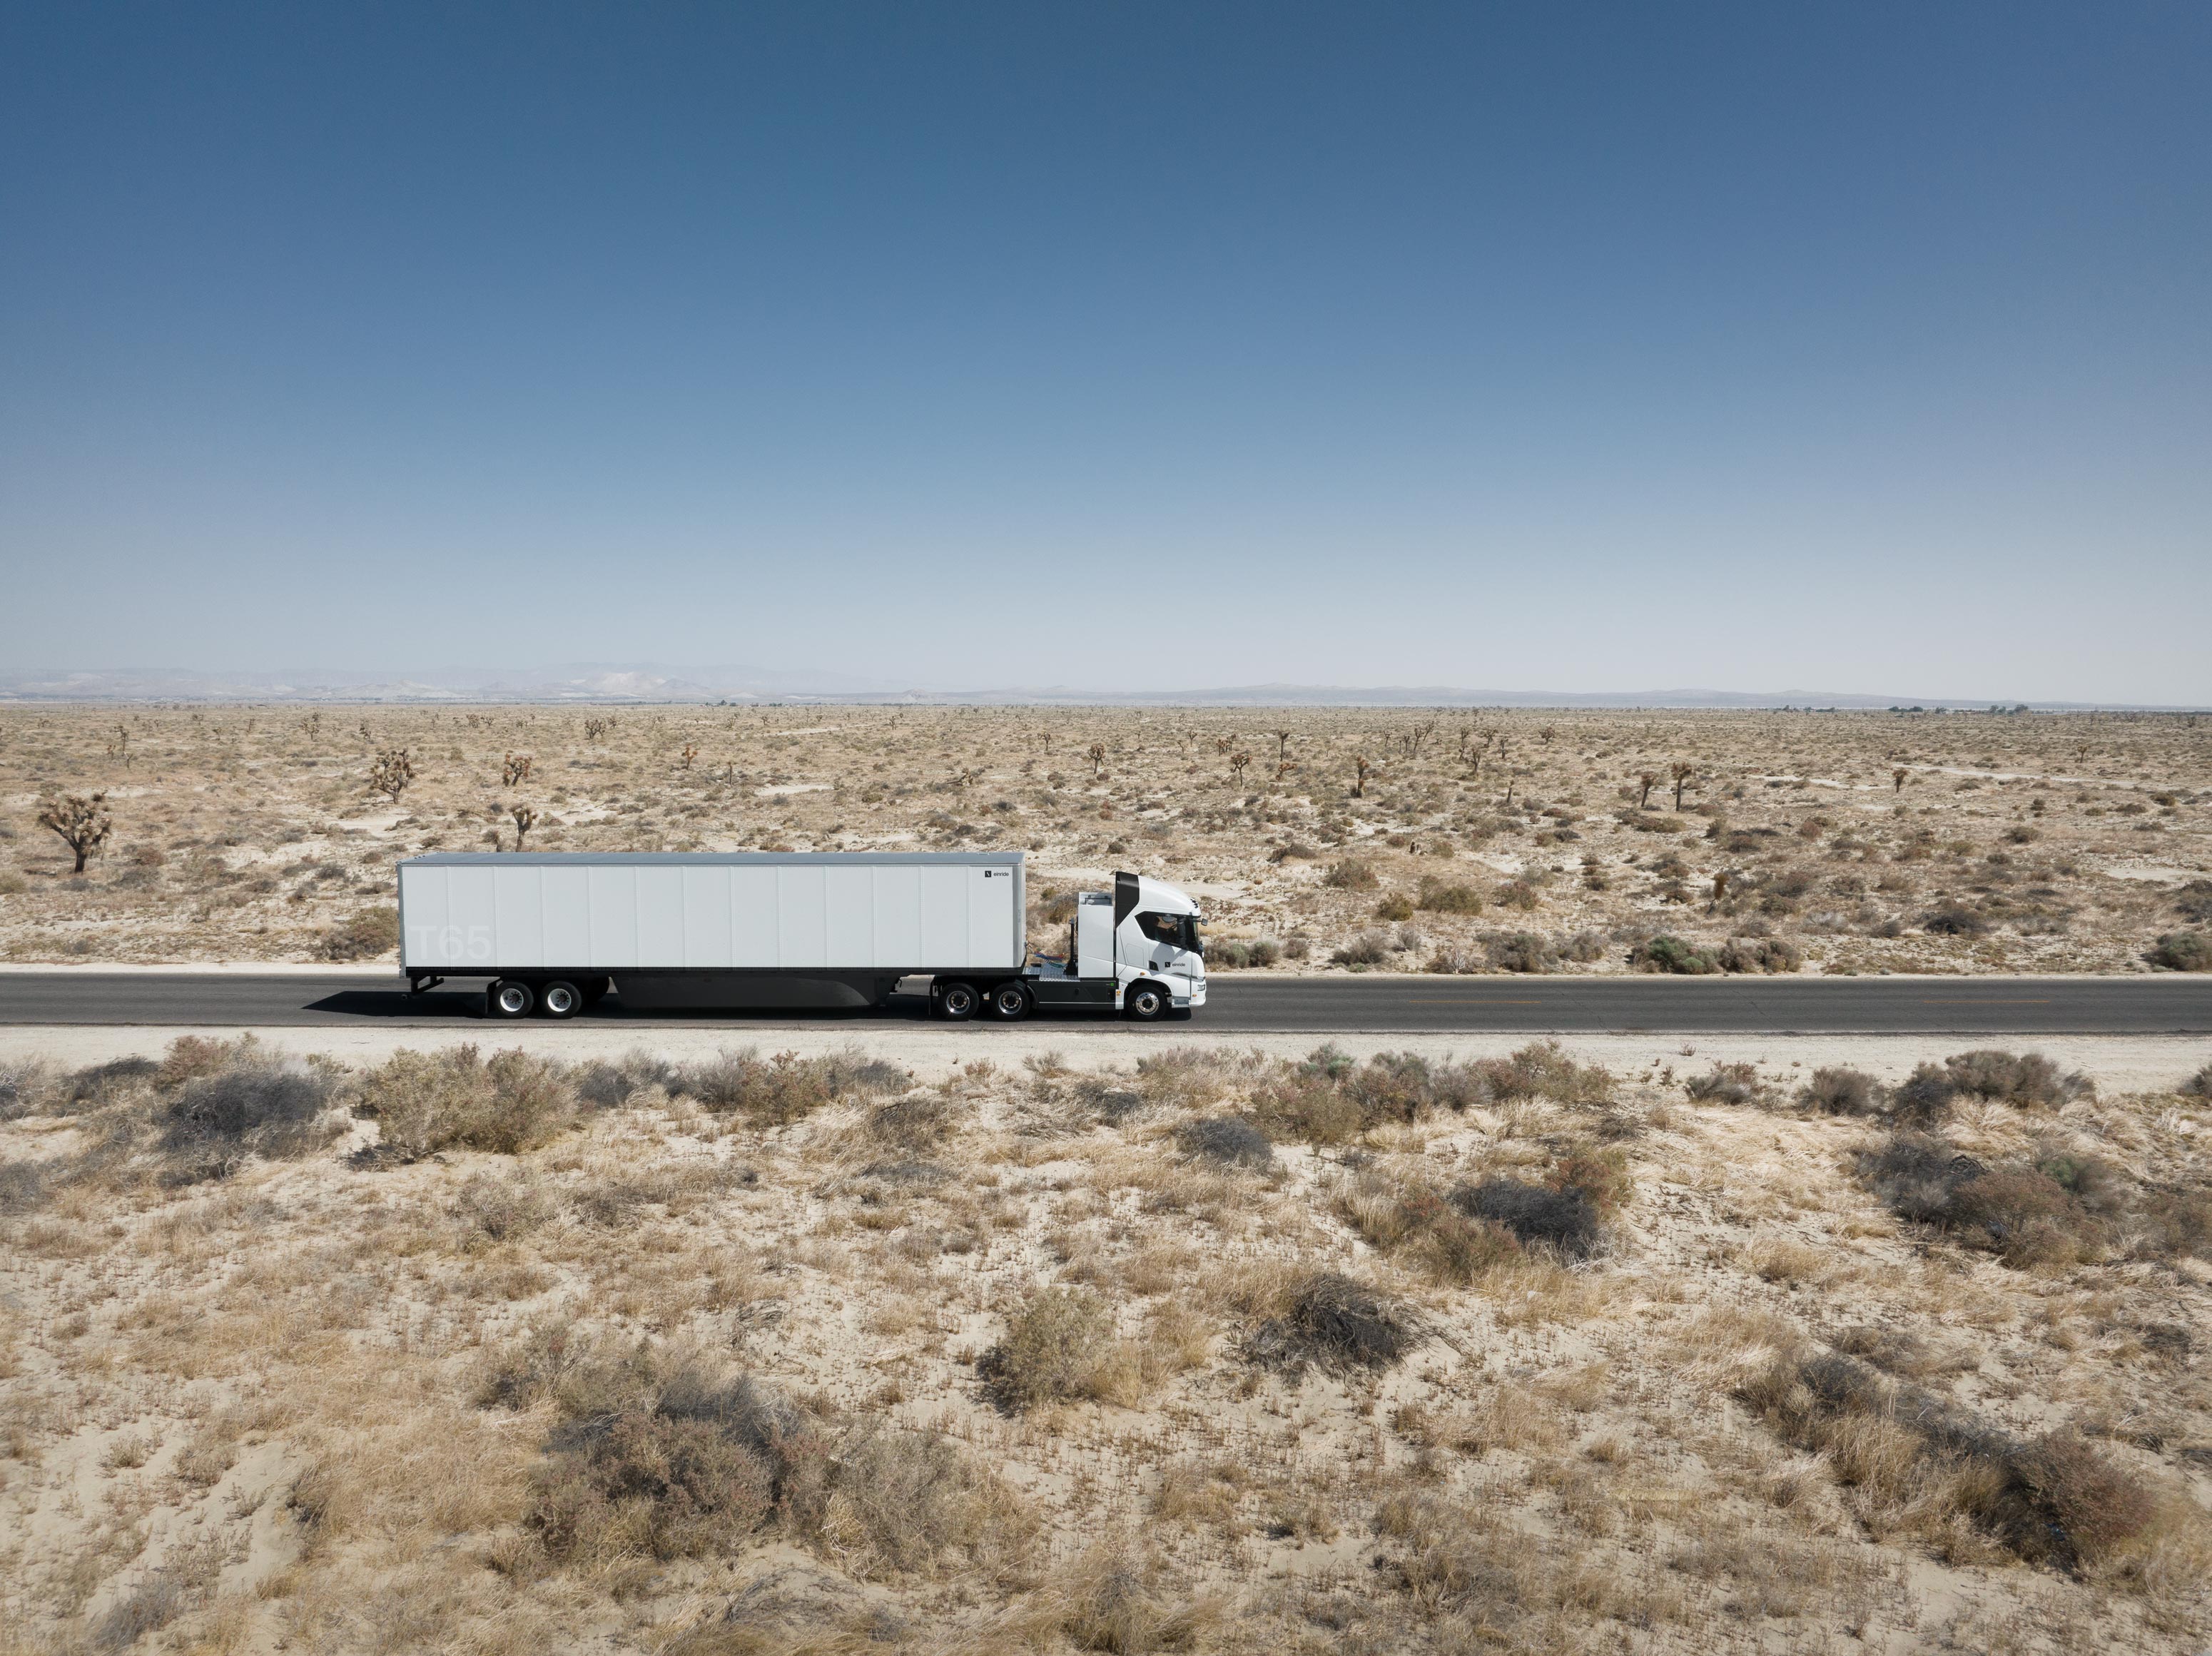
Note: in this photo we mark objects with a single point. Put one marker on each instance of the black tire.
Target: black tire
(1147, 1002)
(1009, 1003)
(959, 1001)
(560, 999)
(509, 998)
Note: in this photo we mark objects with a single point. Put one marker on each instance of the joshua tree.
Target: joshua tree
(525, 820)
(1095, 752)
(1897, 780)
(1646, 782)
(1681, 772)
(514, 770)
(683, 760)
(81, 820)
(1360, 768)
(1284, 770)
(391, 773)
(1282, 746)
(118, 746)
(1236, 764)
(596, 730)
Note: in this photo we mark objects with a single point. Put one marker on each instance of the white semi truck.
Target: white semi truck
(552, 932)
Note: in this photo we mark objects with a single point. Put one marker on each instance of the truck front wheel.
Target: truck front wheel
(1010, 1003)
(1147, 1002)
(959, 1001)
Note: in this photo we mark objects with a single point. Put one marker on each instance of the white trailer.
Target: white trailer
(552, 932)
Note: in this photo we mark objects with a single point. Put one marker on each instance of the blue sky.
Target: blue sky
(1582, 347)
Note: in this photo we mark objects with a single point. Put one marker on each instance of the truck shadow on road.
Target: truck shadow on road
(463, 1006)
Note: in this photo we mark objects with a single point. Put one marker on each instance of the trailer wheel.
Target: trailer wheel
(957, 1001)
(560, 999)
(1010, 1003)
(509, 998)
(1147, 1002)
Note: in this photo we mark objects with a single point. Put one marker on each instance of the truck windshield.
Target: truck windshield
(1176, 930)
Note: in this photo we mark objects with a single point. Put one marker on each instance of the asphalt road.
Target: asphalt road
(1331, 1006)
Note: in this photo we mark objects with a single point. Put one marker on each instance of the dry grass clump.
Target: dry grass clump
(786, 1087)
(1059, 1347)
(670, 1456)
(1729, 1083)
(2029, 1080)
(423, 1103)
(1916, 1465)
(1326, 1320)
(1227, 1140)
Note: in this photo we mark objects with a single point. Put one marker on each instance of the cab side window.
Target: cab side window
(1176, 931)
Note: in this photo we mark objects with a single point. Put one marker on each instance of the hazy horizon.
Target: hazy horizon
(1579, 349)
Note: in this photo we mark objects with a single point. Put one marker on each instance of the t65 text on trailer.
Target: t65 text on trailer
(552, 932)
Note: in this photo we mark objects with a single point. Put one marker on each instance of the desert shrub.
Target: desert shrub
(1331, 1322)
(1921, 1465)
(1543, 1069)
(1453, 957)
(1729, 1083)
(428, 1102)
(2013, 1078)
(1670, 954)
(2183, 951)
(1329, 1098)
(1306, 1103)
(1584, 947)
(499, 1209)
(604, 1084)
(1396, 907)
(1521, 894)
(784, 1087)
(362, 935)
(1227, 1139)
(1239, 954)
(257, 1104)
(1563, 1220)
(1599, 1173)
(1369, 948)
(2176, 1222)
(1923, 1098)
(2198, 1085)
(98, 1085)
(2193, 901)
(1445, 897)
(1405, 1087)
(2019, 1211)
(1352, 875)
(1521, 951)
(1760, 955)
(1954, 920)
(24, 1086)
(1839, 1090)
(1059, 1347)
(23, 1187)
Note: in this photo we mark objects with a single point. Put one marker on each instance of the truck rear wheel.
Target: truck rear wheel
(560, 999)
(1010, 1003)
(1147, 1002)
(959, 1001)
(509, 998)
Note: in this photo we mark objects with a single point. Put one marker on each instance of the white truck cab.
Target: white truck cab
(1136, 948)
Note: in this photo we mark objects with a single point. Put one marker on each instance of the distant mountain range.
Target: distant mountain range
(602, 682)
